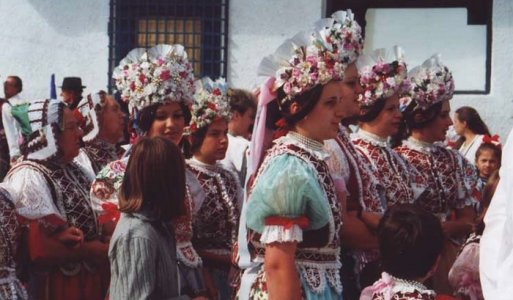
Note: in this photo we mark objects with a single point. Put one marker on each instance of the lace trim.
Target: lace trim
(420, 145)
(410, 286)
(16, 288)
(311, 146)
(276, 233)
(372, 138)
(318, 275)
(187, 255)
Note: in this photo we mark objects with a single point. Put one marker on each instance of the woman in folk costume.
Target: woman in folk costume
(350, 170)
(451, 179)
(294, 211)
(49, 182)
(216, 222)
(103, 125)
(158, 85)
(383, 77)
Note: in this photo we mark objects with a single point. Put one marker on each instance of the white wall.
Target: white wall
(257, 28)
(423, 32)
(68, 38)
(497, 108)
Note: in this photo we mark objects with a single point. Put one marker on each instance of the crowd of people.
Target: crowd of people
(335, 179)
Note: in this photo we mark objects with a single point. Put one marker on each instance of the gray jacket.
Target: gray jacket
(143, 264)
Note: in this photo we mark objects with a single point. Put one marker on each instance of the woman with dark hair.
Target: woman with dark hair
(142, 250)
(158, 84)
(410, 244)
(294, 213)
(216, 222)
(471, 129)
(452, 181)
(383, 78)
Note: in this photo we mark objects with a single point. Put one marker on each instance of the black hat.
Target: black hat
(72, 83)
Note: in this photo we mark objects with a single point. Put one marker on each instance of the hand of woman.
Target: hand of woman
(71, 237)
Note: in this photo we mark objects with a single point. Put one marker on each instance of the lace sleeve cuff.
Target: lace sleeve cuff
(281, 234)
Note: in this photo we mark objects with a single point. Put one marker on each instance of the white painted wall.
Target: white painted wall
(257, 28)
(423, 32)
(68, 38)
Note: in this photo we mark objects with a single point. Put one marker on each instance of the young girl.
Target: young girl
(216, 222)
(142, 251)
(488, 159)
(410, 243)
(158, 107)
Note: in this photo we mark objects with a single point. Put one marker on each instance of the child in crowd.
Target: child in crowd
(488, 159)
(410, 242)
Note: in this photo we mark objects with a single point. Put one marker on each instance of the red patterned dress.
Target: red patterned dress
(452, 181)
(364, 191)
(402, 183)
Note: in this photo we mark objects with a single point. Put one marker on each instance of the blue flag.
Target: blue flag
(53, 89)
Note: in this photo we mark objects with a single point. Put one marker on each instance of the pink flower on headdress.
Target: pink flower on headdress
(165, 75)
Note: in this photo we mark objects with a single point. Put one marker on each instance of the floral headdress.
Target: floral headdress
(431, 83)
(211, 104)
(157, 75)
(382, 74)
(315, 57)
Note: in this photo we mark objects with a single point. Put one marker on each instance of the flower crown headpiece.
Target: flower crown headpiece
(315, 57)
(211, 104)
(157, 75)
(382, 74)
(431, 83)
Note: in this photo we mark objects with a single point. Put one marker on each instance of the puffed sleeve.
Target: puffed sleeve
(106, 186)
(31, 194)
(469, 187)
(287, 190)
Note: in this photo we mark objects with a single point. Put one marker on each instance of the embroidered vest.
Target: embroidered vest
(215, 226)
(318, 265)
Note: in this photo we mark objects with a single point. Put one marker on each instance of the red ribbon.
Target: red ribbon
(110, 213)
(287, 223)
(491, 139)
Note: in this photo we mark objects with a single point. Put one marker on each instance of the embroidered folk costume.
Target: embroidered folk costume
(42, 185)
(216, 224)
(452, 181)
(391, 288)
(144, 78)
(293, 197)
(383, 74)
(10, 241)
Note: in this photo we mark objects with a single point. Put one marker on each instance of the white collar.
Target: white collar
(372, 138)
(420, 145)
(312, 146)
(17, 100)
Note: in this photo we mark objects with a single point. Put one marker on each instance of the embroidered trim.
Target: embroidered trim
(318, 266)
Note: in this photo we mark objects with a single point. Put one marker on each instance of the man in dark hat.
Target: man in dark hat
(72, 89)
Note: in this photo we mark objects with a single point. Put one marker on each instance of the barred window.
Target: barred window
(199, 25)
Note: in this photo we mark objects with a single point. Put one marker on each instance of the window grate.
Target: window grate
(201, 26)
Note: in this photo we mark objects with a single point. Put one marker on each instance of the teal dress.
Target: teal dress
(293, 199)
